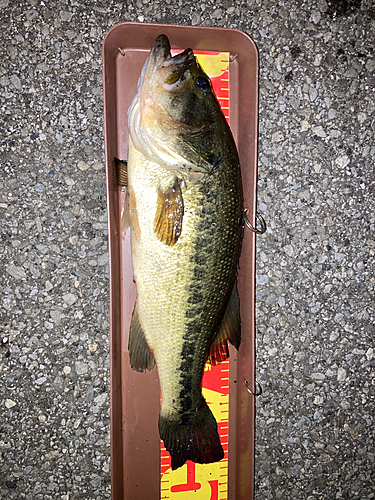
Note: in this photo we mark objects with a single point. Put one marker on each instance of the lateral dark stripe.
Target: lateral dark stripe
(213, 258)
(191, 366)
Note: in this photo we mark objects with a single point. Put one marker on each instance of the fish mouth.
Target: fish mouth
(170, 69)
(160, 52)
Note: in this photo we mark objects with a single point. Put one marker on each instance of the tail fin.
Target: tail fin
(192, 436)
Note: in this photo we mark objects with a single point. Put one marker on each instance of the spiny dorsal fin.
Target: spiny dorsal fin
(121, 172)
(141, 358)
(230, 329)
(122, 181)
(169, 214)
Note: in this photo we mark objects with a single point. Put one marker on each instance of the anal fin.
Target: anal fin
(141, 358)
(169, 214)
(229, 329)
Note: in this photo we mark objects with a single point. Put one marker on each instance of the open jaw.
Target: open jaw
(171, 70)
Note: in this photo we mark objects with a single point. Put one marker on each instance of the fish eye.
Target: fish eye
(203, 83)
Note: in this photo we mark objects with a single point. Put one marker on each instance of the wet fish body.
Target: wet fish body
(184, 205)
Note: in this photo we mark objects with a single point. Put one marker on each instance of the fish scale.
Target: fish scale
(171, 318)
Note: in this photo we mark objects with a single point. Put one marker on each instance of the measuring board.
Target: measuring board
(140, 468)
(206, 481)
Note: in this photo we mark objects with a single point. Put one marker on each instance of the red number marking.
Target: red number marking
(190, 485)
(214, 489)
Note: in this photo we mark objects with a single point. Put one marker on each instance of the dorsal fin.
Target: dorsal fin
(121, 172)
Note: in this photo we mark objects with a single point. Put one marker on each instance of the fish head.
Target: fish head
(179, 107)
(182, 93)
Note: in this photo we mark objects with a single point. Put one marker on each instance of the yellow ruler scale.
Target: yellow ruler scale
(206, 481)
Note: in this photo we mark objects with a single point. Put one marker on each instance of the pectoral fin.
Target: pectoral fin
(141, 358)
(169, 214)
(230, 329)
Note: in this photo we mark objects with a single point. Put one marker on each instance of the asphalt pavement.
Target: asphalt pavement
(315, 279)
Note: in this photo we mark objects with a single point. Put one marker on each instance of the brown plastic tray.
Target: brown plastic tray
(135, 397)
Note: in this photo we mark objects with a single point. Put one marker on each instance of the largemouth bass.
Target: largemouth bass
(184, 206)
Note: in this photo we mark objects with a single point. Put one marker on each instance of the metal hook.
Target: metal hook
(258, 389)
(259, 218)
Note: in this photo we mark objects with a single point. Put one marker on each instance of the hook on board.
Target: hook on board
(258, 389)
(258, 218)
